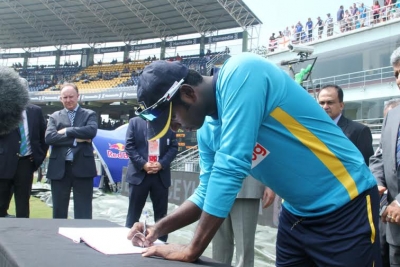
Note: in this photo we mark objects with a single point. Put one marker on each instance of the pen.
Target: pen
(144, 226)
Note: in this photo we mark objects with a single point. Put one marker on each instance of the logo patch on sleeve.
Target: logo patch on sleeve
(259, 154)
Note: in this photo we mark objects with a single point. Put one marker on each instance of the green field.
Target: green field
(38, 209)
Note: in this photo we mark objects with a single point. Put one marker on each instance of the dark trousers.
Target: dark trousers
(394, 255)
(21, 185)
(347, 237)
(82, 189)
(137, 199)
(384, 244)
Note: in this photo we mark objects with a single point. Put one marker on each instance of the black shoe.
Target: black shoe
(9, 216)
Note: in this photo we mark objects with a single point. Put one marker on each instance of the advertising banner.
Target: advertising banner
(110, 147)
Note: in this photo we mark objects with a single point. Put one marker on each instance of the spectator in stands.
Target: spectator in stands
(273, 43)
(286, 32)
(320, 25)
(348, 19)
(329, 25)
(227, 50)
(294, 35)
(309, 29)
(330, 98)
(376, 8)
(354, 9)
(340, 19)
(148, 170)
(70, 132)
(178, 57)
(363, 14)
(299, 30)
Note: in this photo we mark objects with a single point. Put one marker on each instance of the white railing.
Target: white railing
(354, 79)
(187, 160)
(349, 24)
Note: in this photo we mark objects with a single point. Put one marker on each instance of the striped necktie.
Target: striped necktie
(23, 149)
(71, 116)
(398, 148)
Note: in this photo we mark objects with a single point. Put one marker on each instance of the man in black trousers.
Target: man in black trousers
(71, 165)
(22, 151)
(148, 170)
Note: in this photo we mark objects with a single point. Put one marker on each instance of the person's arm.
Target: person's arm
(88, 131)
(376, 163)
(42, 131)
(131, 148)
(53, 138)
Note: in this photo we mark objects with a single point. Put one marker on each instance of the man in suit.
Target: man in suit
(239, 228)
(385, 168)
(148, 170)
(330, 98)
(22, 151)
(71, 165)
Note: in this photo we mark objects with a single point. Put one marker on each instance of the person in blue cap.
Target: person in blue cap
(253, 119)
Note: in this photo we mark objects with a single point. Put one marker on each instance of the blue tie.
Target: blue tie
(398, 148)
(23, 149)
(71, 116)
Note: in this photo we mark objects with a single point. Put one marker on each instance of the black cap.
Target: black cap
(154, 81)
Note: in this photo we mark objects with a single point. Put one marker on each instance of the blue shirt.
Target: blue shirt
(270, 127)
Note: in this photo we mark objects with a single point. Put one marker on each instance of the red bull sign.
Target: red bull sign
(116, 151)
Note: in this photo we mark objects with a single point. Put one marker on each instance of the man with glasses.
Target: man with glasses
(330, 98)
(252, 118)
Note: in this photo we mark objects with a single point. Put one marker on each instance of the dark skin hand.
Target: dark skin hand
(186, 214)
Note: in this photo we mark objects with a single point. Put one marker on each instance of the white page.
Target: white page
(110, 240)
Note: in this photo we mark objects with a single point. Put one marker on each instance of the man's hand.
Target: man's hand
(152, 167)
(381, 189)
(79, 140)
(268, 197)
(148, 167)
(156, 166)
(62, 131)
(141, 239)
(173, 252)
(392, 213)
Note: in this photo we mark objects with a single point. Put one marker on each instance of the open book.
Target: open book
(107, 240)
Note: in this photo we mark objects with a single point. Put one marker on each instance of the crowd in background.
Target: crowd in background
(355, 17)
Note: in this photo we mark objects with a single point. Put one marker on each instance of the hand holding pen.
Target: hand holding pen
(142, 234)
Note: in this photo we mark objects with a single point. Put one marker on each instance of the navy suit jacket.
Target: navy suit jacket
(85, 127)
(359, 134)
(10, 143)
(137, 149)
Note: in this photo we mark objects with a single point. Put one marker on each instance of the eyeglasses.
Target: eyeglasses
(151, 113)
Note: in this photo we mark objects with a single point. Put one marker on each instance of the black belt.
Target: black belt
(68, 162)
(25, 157)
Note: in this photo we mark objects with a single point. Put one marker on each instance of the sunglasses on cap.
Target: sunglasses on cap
(151, 113)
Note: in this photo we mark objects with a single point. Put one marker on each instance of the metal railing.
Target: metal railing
(354, 79)
(187, 160)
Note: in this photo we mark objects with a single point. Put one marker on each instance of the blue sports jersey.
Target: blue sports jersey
(270, 127)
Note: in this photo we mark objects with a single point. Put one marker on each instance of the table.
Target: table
(36, 242)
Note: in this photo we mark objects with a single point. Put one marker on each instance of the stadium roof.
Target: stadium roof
(36, 23)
